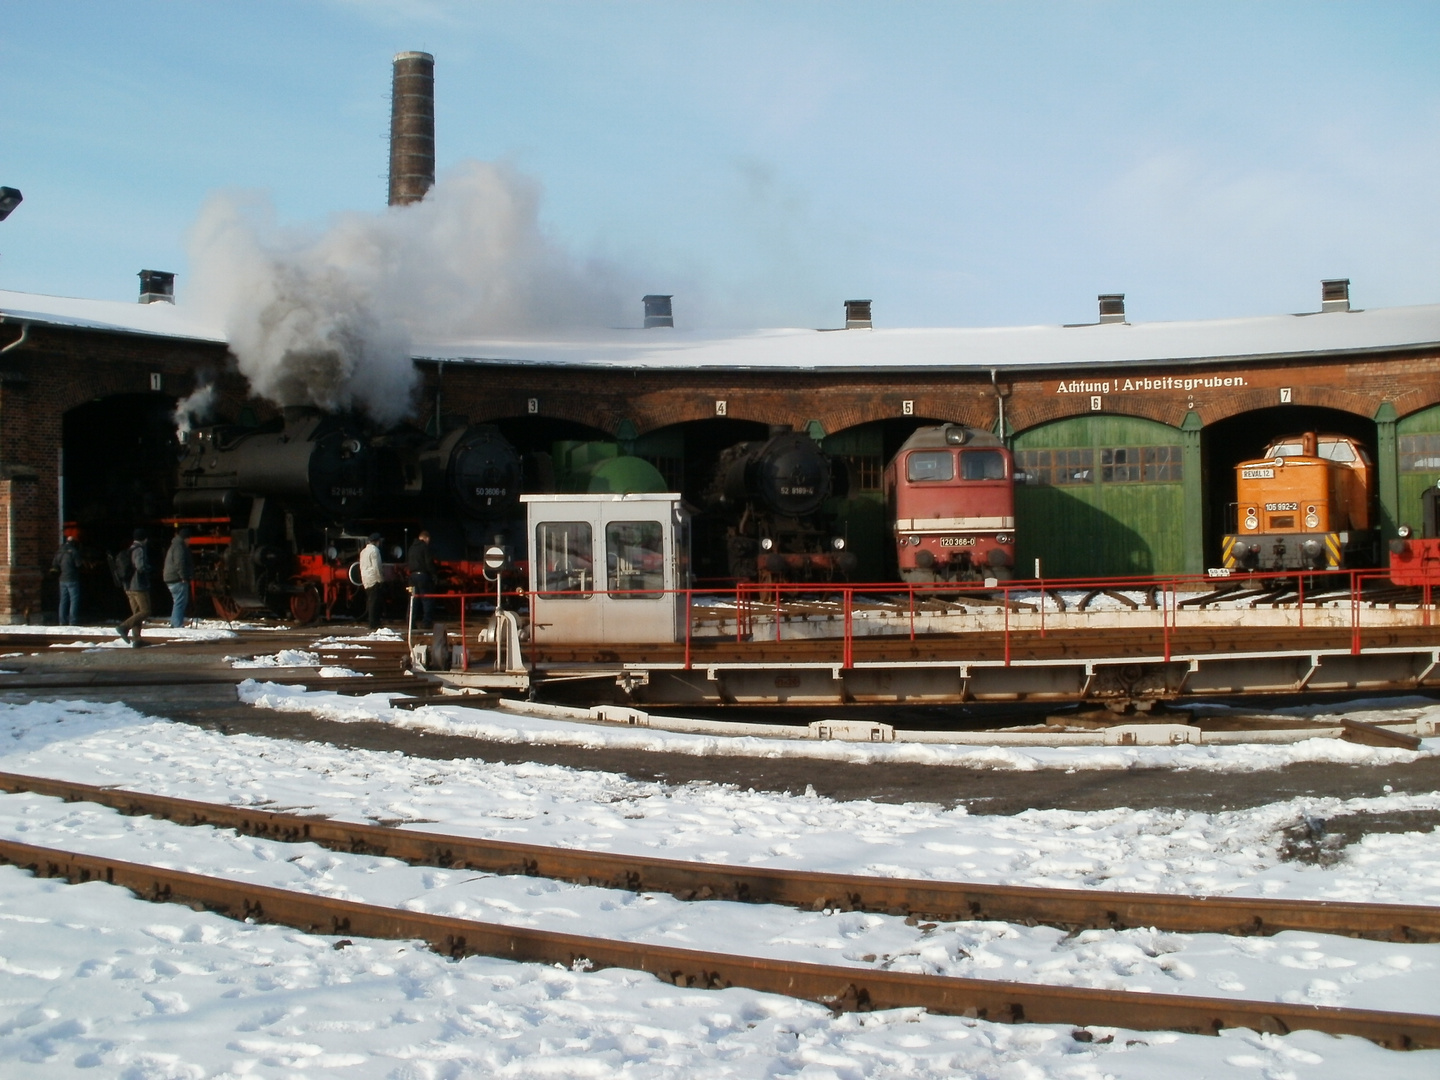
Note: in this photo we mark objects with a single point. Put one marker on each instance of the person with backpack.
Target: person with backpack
(178, 570)
(137, 589)
(67, 563)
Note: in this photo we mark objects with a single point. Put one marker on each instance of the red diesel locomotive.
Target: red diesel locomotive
(950, 492)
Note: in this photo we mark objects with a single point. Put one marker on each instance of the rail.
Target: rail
(841, 988)
(1069, 909)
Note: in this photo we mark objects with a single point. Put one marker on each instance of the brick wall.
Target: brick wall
(59, 368)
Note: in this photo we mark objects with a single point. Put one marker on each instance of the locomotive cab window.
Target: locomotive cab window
(635, 559)
(982, 465)
(1337, 451)
(930, 465)
(567, 555)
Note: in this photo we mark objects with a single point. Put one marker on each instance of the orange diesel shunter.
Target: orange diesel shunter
(1304, 505)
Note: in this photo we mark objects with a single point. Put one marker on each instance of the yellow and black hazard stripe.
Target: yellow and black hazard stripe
(1227, 555)
(1332, 549)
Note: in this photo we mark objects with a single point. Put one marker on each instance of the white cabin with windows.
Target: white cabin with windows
(608, 568)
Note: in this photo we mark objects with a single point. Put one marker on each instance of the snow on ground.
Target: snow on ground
(294, 658)
(91, 978)
(507, 727)
(194, 630)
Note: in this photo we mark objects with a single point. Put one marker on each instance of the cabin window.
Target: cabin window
(1337, 451)
(635, 559)
(930, 465)
(567, 554)
(982, 465)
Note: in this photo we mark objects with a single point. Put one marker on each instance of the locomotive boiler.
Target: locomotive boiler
(770, 497)
(283, 509)
(950, 493)
(1305, 504)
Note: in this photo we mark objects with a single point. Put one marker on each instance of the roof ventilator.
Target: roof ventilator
(1335, 294)
(657, 311)
(857, 314)
(157, 286)
(1112, 307)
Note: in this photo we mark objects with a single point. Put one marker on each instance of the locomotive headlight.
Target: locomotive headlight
(1002, 538)
(838, 543)
(1311, 520)
(1251, 520)
(913, 541)
(1403, 532)
(332, 553)
(766, 544)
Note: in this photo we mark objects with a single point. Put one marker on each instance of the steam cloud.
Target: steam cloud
(194, 409)
(328, 318)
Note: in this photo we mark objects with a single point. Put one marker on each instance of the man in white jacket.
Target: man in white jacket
(372, 578)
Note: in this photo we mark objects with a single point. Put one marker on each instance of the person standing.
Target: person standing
(67, 562)
(421, 564)
(137, 591)
(178, 570)
(372, 579)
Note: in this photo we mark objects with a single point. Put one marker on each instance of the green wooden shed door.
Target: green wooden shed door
(1418, 449)
(1103, 495)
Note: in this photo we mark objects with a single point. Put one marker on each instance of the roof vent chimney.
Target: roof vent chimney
(657, 311)
(1335, 294)
(857, 314)
(157, 285)
(1112, 307)
(412, 128)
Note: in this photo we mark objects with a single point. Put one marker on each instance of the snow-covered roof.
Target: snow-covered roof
(157, 320)
(940, 348)
(1266, 337)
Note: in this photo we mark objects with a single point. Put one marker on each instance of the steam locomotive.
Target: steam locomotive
(1304, 504)
(766, 503)
(283, 509)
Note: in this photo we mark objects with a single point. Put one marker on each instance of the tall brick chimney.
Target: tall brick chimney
(412, 128)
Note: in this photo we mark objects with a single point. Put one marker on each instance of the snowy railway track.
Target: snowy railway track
(1068, 909)
(840, 988)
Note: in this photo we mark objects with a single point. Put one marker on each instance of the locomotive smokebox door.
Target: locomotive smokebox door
(606, 568)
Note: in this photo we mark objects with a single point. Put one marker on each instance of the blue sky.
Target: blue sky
(959, 164)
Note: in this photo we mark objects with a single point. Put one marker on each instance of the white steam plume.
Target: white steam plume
(327, 318)
(194, 409)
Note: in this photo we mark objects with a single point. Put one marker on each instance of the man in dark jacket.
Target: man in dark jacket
(67, 562)
(137, 591)
(422, 577)
(179, 569)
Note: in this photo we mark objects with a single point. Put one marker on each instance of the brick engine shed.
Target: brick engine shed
(1127, 434)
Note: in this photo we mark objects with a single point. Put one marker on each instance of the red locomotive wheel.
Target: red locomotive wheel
(225, 607)
(305, 607)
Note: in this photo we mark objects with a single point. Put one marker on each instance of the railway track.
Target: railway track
(1069, 909)
(841, 988)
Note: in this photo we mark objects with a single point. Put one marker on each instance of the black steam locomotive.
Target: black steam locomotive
(283, 509)
(769, 498)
